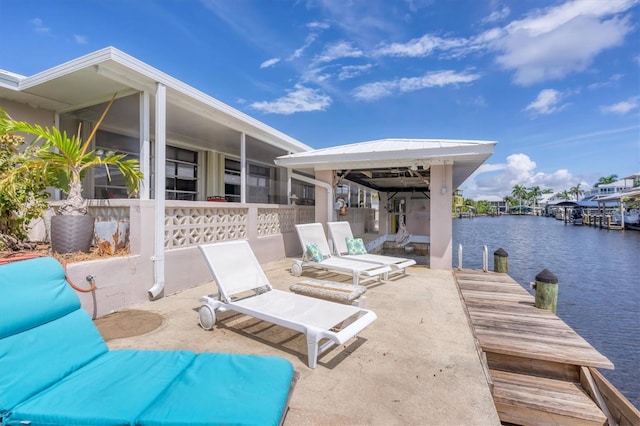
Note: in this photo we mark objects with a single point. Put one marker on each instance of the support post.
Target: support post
(546, 287)
(501, 261)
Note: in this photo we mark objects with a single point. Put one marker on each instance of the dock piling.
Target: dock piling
(501, 261)
(546, 287)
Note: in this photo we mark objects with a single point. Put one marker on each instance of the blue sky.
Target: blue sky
(556, 83)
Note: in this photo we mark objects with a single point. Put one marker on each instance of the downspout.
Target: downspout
(159, 185)
(325, 185)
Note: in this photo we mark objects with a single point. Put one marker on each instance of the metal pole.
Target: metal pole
(485, 258)
(460, 257)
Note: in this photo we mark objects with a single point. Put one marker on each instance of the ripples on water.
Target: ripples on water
(598, 275)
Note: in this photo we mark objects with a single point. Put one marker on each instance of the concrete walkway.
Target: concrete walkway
(416, 365)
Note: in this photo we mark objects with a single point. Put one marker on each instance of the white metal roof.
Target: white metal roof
(414, 155)
(93, 78)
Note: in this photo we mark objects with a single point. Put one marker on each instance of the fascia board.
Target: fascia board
(480, 152)
(78, 64)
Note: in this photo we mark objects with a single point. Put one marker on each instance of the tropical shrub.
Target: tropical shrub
(22, 201)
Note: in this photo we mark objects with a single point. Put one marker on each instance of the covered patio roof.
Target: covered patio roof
(394, 165)
(84, 84)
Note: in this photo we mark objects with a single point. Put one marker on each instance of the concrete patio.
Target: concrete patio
(416, 365)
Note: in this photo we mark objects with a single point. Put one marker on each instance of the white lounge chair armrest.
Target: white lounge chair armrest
(352, 329)
(378, 271)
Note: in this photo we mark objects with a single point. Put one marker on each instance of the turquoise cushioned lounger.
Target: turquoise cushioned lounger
(57, 370)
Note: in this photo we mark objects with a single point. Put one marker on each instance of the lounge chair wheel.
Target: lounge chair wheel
(207, 317)
(296, 268)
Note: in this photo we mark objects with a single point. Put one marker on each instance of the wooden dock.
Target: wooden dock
(539, 369)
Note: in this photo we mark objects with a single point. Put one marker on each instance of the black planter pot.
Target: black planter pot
(70, 234)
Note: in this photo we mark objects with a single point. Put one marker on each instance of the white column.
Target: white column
(145, 150)
(243, 168)
(441, 222)
(289, 186)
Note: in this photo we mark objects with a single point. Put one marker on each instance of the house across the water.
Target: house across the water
(213, 173)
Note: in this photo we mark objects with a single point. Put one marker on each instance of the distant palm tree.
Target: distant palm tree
(576, 191)
(565, 195)
(606, 179)
(534, 194)
(509, 201)
(519, 192)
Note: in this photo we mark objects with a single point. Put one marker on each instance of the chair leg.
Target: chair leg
(312, 351)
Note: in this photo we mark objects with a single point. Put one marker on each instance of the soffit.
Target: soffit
(395, 164)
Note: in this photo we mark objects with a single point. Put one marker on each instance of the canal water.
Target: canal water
(598, 275)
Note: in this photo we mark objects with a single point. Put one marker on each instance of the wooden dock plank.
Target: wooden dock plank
(505, 321)
(526, 399)
(534, 357)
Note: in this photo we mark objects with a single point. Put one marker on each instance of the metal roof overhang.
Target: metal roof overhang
(91, 80)
(395, 165)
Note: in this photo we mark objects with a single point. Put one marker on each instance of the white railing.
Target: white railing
(485, 258)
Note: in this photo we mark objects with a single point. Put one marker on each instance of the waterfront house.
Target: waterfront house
(213, 173)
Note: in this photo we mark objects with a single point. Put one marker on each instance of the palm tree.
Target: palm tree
(576, 191)
(535, 193)
(606, 179)
(565, 195)
(519, 192)
(61, 161)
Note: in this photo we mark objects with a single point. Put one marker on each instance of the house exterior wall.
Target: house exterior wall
(418, 219)
(22, 112)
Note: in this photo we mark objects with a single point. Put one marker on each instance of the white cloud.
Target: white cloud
(300, 99)
(381, 89)
(38, 26)
(269, 62)
(612, 81)
(547, 102)
(80, 39)
(318, 25)
(497, 15)
(418, 47)
(316, 75)
(307, 42)
(554, 42)
(351, 71)
(491, 180)
(621, 107)
(338, 50)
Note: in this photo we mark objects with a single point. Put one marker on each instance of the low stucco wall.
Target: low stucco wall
(123, 281)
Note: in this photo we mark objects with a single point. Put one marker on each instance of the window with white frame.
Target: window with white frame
(181, 174)
(259, 181)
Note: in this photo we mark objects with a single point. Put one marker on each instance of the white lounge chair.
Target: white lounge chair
(312, 233)
(243, 287)
(340, 231)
